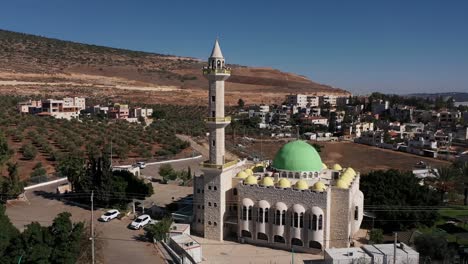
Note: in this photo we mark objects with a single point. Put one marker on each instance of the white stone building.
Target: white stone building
(294, 202)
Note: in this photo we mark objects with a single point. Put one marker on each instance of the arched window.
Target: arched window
(219, 64)
(260, 215)
(301, 220)
(246, 233)
(244, 212)
(266, 215)
(279, 239)
(315, 244)
(209, 222)
(214, 188)
(209, 203)
(320, 222)
(296, 242)
(283, 217)
(297, 175)
(278, 217)
(356, 213)
(215, 224)
(304, 175)
(314, 222)
(213, 64)
(250, 213)
(262, 236)
(295, 220)
(284, 174)
(215, 205)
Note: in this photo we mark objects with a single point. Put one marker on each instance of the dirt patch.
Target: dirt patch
(361, 157)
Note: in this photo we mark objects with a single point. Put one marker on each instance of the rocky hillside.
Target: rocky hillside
(31, 64)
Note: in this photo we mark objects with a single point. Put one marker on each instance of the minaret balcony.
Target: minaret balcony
(226, 165)
(226, 119)
(207, 71)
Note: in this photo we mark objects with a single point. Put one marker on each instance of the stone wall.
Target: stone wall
(289, 197)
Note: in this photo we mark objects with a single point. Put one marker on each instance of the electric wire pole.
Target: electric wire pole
(394, 248)
(92, 227)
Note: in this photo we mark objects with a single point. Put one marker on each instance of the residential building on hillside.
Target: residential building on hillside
(29, 107)
(66, 108)
(379, 107)
(297, 99)
(119, 111)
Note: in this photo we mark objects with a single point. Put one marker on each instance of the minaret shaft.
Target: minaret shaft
(216, 73)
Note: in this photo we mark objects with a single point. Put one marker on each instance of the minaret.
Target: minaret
(217, 172)
(216, 72)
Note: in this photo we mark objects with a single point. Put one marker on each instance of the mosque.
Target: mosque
(295, 201)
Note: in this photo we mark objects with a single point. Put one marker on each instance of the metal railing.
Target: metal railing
(211, 71)
(218, 119)
(219, 166)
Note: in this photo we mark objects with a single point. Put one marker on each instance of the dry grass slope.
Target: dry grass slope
(75, 67)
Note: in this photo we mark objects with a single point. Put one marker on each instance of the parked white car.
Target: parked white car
(141, 164)
(140, 222)
(109, 215)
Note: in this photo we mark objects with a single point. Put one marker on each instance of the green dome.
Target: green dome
(297, 156)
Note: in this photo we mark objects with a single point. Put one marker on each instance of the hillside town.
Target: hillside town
(437, 132)
(350, 148)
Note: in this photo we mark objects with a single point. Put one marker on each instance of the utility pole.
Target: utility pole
(92, 227)
(394, 247)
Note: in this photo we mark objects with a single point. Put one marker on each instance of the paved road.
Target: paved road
(120, 244)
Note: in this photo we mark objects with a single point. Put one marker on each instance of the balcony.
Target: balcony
(218, 166)
(226, 119)
(214, 71)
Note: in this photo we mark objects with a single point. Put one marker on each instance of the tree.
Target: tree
(67, 238)
(158, 232)
(376, 236)
(392, 194)
(11, 187)
(185, 175)
(317, 147)
(72, 167)
(241, 103)
(167, 173)
(29, 151)
(58, 243)
(444, 181)
(433, 246)
(39, 173)
(7, 231)
(5, 151)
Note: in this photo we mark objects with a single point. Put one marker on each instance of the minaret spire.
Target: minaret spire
(216, 52)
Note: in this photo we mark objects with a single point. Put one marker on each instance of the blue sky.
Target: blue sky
(362, 45)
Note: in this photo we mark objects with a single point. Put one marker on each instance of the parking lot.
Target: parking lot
(119, 243)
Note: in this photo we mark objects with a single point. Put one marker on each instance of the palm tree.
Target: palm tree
(444, 180)
(463, 170)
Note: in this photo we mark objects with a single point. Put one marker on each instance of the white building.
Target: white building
(384, 253)
(67, 108)
(328, 99)
(188, 249)
(352, 255)
(372, 254)
(297, 99)
(313, 101)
